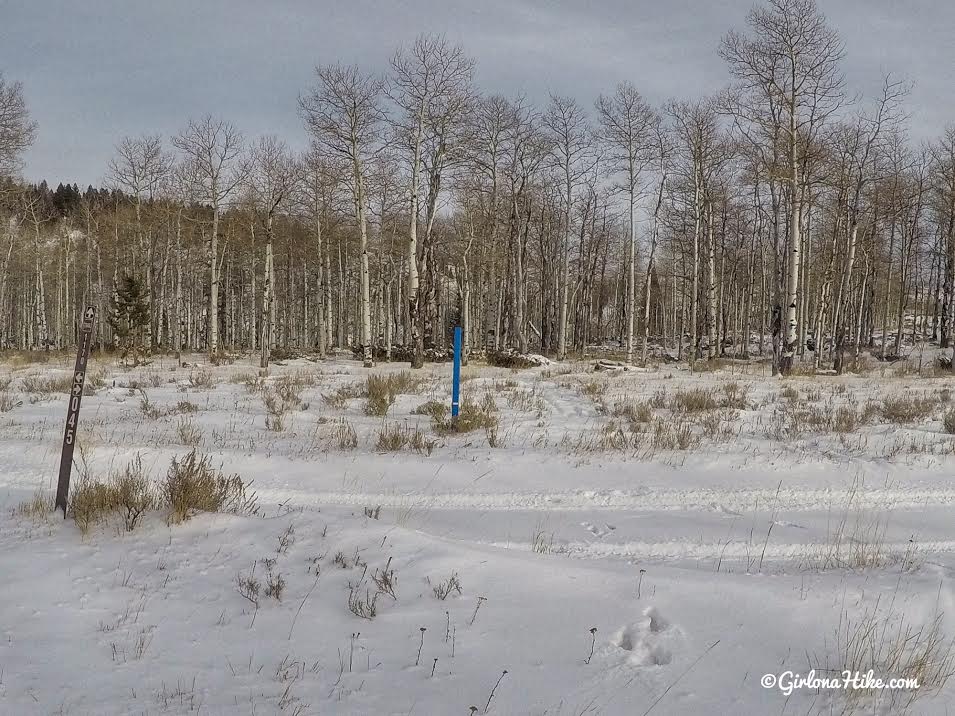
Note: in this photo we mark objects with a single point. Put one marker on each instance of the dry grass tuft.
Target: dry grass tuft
(394, 437)
(907, 408)
(129, 492)
(202, 379)
(948, 422)
(8, 402)
(471, 416)
(694, 400)
(345, 436)
(637, 413)
(433, 409)
(188, 433)
(381, 390)
(340, 397)
(193, 485)
(43, 384)
(37, 507)
(890, 645)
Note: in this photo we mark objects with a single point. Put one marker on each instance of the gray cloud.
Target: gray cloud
(96, 71)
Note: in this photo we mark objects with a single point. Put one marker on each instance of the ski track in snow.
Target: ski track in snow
(726, 550)
(711, 500)
(735, 502)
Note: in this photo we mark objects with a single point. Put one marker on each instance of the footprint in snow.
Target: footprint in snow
(650, 641)
(597, 531)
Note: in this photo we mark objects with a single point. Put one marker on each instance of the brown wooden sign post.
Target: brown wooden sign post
(73, 408)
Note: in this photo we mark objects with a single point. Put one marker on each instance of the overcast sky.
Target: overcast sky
(96, 70)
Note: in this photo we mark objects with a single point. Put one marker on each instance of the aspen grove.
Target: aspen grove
(780, 216)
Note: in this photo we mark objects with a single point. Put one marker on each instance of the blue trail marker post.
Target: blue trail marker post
(456, 376)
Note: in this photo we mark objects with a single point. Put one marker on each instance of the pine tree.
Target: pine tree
(129, 316)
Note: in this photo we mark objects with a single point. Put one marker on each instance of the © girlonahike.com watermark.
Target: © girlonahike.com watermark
(789, 681)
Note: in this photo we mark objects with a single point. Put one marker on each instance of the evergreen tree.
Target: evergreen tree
(129, 316)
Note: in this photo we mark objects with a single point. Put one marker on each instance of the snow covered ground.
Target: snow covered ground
(641, 542)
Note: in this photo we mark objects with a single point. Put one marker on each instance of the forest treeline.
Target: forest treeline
(782, 216)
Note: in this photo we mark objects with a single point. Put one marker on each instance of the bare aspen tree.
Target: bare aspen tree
(771, 213)
(17, 130)
(431, 85)
(788, 84)
(17, 133)
(271, 177)
(211, 148)
(488, 131)
(572, 158)
(628, 130)
(37, 215)
(321, 180)
(942, 179)
(861, 144)
(527, 147)
(139, 168)
(343, 112)
(697, 158)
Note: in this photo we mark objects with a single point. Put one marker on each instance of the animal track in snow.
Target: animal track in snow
(650, 641)
(597, 531)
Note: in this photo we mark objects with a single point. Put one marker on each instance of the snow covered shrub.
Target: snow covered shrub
(193, 485)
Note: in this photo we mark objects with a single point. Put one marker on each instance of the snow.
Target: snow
(701, 569)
